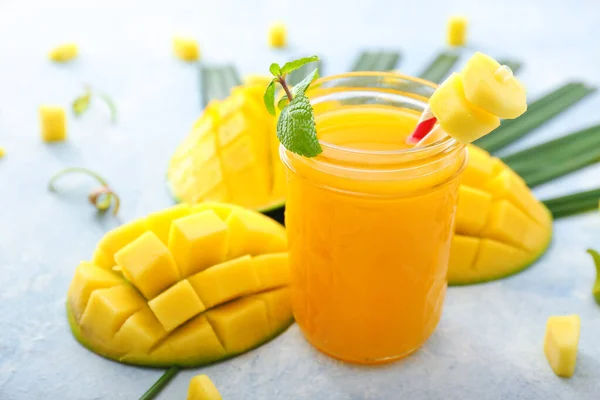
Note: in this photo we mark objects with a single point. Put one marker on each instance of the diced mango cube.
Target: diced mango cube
(479, 169)
(88, 278)
(115, 239)
(107, 309)
(462, 258)
(64, 52)
(472, 210)
(221, 209)
(278, 303)
(277, 35)
(148, 264)
(160, 222)
(202, 388)
(102, 260)
(140, 332)
(500, 259)
(457, 31)
(561, 343)
(176, 305)
(225, 281)
(53, 123)
(272, 270)
(2, 151)
(246, 315)
(198, 241)
(253, 233)
(186, 48)
(459, 118)
(195, 338)
(492, 87)
(509, 224)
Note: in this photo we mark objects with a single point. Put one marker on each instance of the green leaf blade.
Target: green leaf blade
(269, 98)
(296, 128)
(294, 65)
(275, 69)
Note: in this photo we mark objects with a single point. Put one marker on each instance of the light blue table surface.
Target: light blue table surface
(489, 342)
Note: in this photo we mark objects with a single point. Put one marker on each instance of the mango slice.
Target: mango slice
(202, 388)
(492, 87)
(191, 301)
(501, 228)
(462, 120)
(231, 145)
(561, 343)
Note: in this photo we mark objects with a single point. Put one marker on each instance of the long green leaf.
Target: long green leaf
(160, 384)
(440, 67)
(216, 82)
(296, 76)
(376, 61)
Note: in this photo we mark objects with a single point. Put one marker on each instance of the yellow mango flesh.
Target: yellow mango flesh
(561, 343)
(202, 388)
(457, 31)
(457, 117)
(145, 310)
(186, 48)
(492, 88)
(231, 154)
(501, 228)
(64, 52)
(53, 123)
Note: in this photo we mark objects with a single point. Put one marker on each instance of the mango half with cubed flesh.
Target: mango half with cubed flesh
(501, 228)
(184, 286)
(231, 155)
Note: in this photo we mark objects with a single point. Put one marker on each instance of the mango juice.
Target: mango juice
(369, 227)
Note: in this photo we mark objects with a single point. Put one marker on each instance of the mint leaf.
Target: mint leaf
(300, 88)
(275, 69)
(296, 128)
(294, 65)
(269, 98)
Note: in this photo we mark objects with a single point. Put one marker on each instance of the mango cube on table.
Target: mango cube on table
(561, 342)
(53, 123)
(186, 48)
(493, 87)
(64, 52)
(202, 388)
(278, 35)
(2, 151)
(457, 31)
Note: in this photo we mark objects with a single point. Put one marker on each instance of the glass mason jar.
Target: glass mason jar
(370, 220)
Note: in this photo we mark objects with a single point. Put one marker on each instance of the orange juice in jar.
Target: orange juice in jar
(370, 220)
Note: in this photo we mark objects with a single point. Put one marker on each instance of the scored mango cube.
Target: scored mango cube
(88, 278)
(176, 305)
(148, 264)
(64, 52)
(202, 388)
(225, 281)
(198, 241)
(277, 35)
(186, 48)
(53, 123)
(472, 210)
(117, 238)
(561, 343)
(493, 87)
(160, 222)
(107, 309)
(247, 315)
(272, 270)
(457, 31)
(140, 332)
(279, 306)
(457, 117)
(252, 233)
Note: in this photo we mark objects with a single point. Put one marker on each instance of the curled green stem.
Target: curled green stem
(102, 197)
(596, 289)
(160, 384)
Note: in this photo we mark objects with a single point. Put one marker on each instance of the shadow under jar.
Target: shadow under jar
(370, 220)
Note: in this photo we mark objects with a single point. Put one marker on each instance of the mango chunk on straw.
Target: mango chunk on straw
(493, 87)
(457, 116)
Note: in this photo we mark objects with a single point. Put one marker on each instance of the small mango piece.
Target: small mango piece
(457, 31)
(596, 287)
(2, 152)
(277, 35)
(202, 388)
(493, 87)
(459, 118)
(176, 305)
(186, 48)
(63, 53)
(53, 123)
(561, 342)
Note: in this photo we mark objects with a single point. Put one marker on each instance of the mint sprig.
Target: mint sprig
(296, 128)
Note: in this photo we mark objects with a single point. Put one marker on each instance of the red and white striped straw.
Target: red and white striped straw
(425, 125)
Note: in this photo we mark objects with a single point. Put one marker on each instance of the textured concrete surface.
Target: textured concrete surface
(489, 342)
